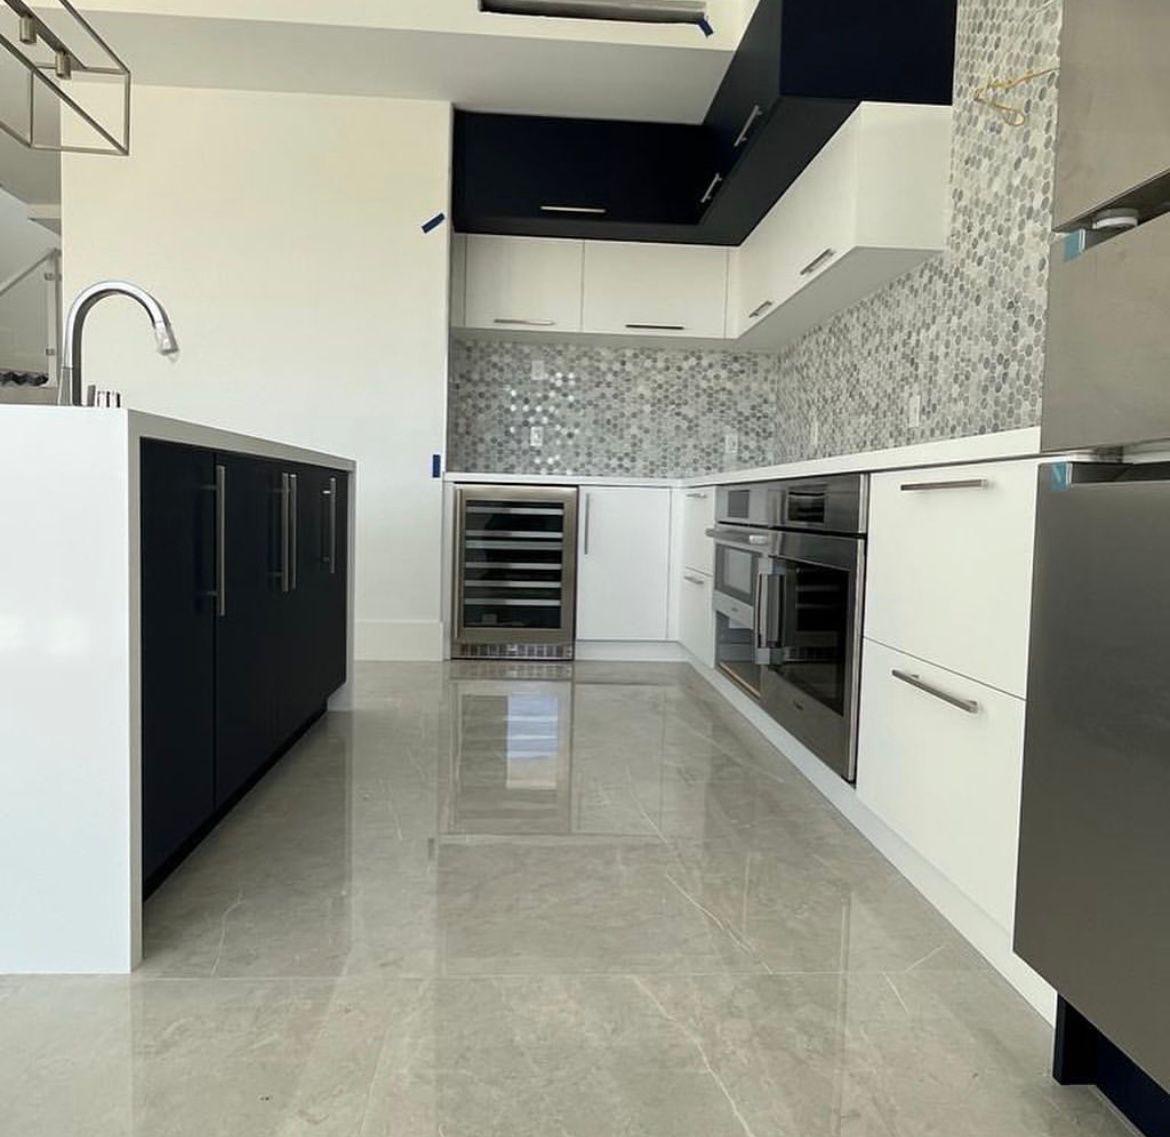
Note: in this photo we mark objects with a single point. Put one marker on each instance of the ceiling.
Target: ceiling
(417, 49)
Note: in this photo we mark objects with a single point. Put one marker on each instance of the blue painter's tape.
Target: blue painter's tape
(434, 222)
(436, 465)
(705, 25)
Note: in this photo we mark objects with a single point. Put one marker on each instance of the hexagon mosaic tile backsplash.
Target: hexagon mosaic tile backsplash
(962, 336)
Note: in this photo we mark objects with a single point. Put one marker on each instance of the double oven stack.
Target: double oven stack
(789, 586)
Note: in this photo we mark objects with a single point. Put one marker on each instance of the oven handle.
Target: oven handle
(760, 610)
(741, 538)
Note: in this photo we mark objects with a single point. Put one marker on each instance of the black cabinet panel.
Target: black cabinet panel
(576, 177)
(248, 646)
(326, 573)
(178, 648)
(800, 70)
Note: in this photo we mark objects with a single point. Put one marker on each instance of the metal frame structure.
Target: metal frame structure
(51, 75)
(50, 260)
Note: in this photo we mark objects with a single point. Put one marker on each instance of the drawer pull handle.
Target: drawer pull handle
(697, 496)
(658, 327)
(693, 579)
(962, 484)
(524, 323)
(970, 706)
(760, 310)
(595, 210)
(817, 261)
(747, 126)
(710, 191)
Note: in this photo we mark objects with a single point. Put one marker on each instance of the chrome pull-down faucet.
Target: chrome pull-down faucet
(70, 394)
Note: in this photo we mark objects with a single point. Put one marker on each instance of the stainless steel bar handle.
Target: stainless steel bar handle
(292, 531)
(658, 327)
(961, 484)
(514, 322)
(710, 191)
(747, 126)
(220, 541)
(760, 609)
(760, 310)
(697, 496)
(693, 579)
(817, 261)
(284, 518)
(332, 492)
(597, 210)
(588, 514)
(970, 706)
(759, 539)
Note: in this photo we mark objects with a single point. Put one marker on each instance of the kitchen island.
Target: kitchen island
(175, 608)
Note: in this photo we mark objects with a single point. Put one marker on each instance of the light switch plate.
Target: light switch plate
(731, 443)
(814, 433)
(538, 370)
(914, 409)
(536, 437)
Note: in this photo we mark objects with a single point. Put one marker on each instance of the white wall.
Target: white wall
(283, 234)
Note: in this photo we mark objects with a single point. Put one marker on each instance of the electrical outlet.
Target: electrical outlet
(731, 443)
(536, 437)
(814, 431)
(914, 409)
(538, 371)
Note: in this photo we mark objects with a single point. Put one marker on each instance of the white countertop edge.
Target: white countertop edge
(140, 424)
(1006, 444)
(460, 478)
(1024, 443)
(143, 425)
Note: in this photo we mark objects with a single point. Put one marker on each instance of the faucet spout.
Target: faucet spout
(71, 387)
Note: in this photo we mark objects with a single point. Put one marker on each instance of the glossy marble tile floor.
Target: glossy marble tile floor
(489, 906)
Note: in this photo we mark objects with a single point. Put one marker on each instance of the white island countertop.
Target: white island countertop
(1000, 446)
(70, 682)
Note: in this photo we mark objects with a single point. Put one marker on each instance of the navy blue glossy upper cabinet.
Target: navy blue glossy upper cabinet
(801, 70)
(531, 176)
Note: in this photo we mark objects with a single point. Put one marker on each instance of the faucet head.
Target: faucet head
(164, 336)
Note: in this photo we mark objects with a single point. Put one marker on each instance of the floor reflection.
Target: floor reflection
(529, 900)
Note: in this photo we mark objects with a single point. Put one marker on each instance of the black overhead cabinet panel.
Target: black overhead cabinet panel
(524, 174)
(801, 69)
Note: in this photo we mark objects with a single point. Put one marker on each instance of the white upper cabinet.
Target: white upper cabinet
(871, 206)
(657, 290)
(458, 281)
(524, 284)
(623, 563)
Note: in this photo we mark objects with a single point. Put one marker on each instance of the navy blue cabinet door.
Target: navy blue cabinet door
(178, 648)
(248, 643)
(313, 608)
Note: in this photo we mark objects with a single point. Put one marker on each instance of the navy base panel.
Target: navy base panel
(1082, 1055)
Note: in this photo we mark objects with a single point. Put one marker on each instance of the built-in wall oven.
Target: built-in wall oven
(789, 580)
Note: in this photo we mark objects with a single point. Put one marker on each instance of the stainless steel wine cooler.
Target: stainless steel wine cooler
(516, 572)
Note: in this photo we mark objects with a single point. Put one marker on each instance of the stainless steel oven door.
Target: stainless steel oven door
(808, 642)
(740, 553)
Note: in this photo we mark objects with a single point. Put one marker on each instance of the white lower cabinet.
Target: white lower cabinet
(949, 567)
(696, 516)
(940, 760)
(696, 618)
(623, 563)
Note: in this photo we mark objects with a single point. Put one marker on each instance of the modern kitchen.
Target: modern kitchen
(585, 567)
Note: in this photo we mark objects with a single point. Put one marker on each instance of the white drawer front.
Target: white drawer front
(696, 619)
(698, 515)
(947, 779)
(949, 577)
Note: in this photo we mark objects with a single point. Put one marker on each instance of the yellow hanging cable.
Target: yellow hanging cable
(1012, 115)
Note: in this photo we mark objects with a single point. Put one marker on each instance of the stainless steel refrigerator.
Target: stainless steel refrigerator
(1093, 906)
